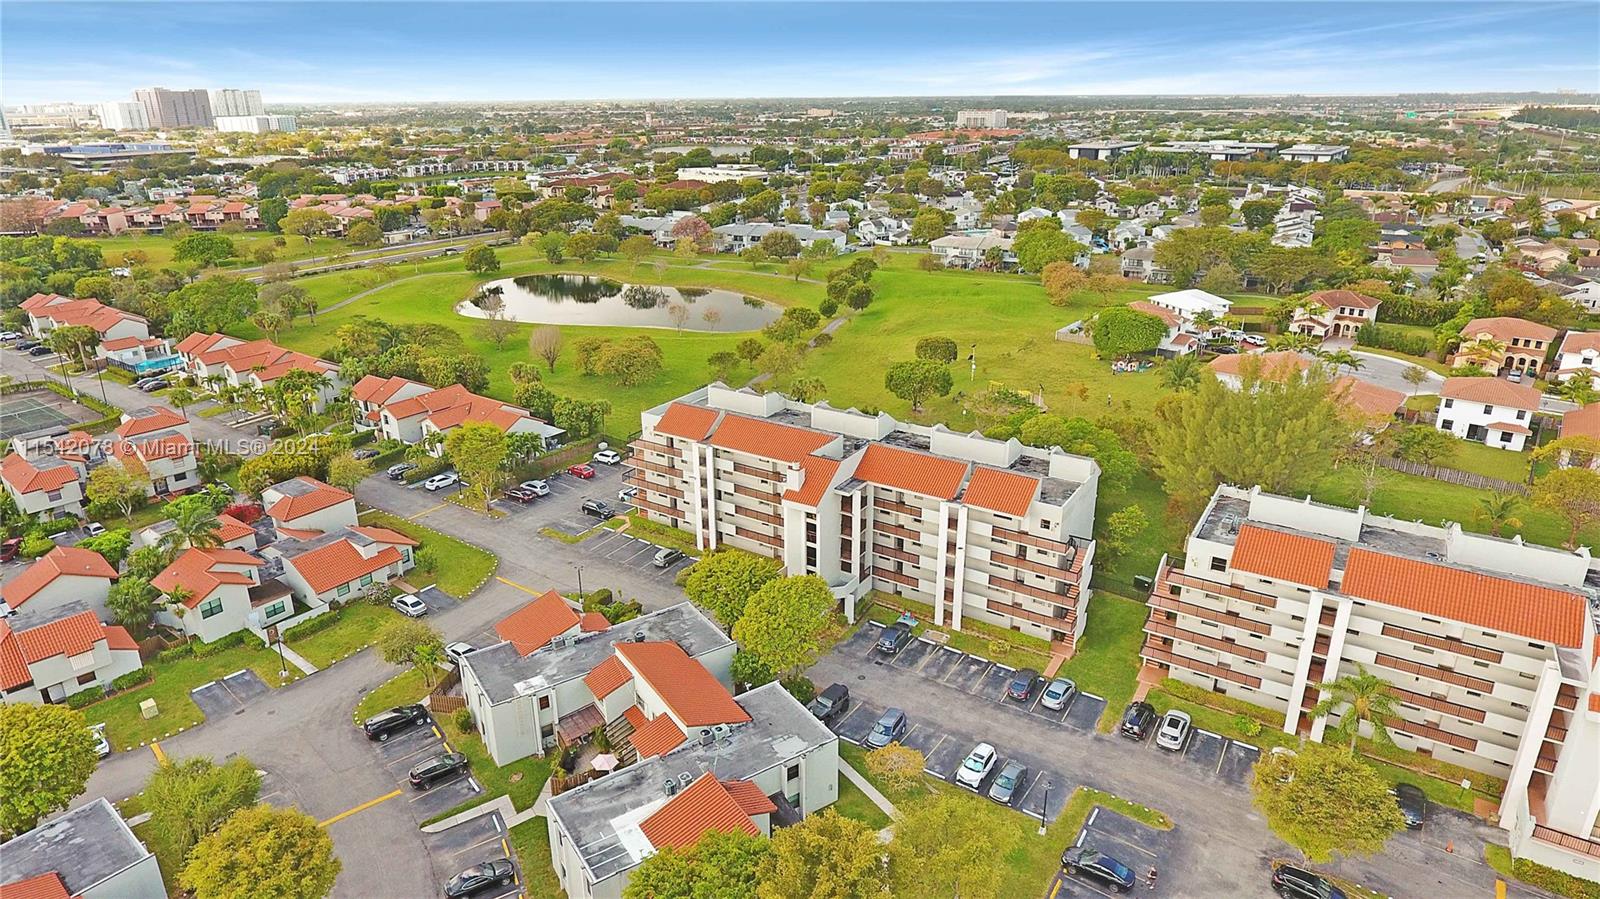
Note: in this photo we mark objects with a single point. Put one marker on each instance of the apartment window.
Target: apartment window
(276, 609)
(1448, 403)
(544, 703)
(1505, 437)
(344, 590)
(53, 495)
(1521, 414)
(1218, 563)
(211, 607)
(1487, 409)
(366, 580)
(792, 772)
(86, 679)
(1447, 425)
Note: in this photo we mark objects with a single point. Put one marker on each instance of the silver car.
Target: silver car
(1174, 730)
(1058, 693)
(1008, 783)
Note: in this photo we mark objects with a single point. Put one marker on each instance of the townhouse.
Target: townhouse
(1489, 645)
(411, 412)
(47, 486)
(334, 567)
(213, 360)
(88, 852)
(210, 592)
(305, 506)
(1178, 341)
(47, 655)
(231, 533)
(1139, 264)
(1577, 356)
(48, 311)
(156, 444)
(1334, 313)
(64, 575)
(970, 526)
(971, 250)
(1491, 411)
(1502, 345)
(737, 237)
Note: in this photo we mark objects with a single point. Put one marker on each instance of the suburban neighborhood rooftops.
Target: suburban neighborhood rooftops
(537, 623)
(1584, 421)
(31, 476)
(705, 805)
(63, 561)
(302, 496)
(333, 559)
(202, 571)
(1506, 328)
(83, 846)
(1494, 391)
(1333, 299)
(148, 420)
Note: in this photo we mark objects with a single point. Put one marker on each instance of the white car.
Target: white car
(608, 457)
(457, 651)
(537, 488)
(976, 767)
(10, 335)
(102, 746)
(409, 606)
(441, 481)
(627, 494)
(1254, 340)
(94, 529)
(1174, 730)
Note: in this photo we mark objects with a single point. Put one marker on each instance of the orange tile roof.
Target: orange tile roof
(537, 623)
(1369, 399)
(1504, 328)
(1578, 341)
(197, 343)
(323, 496)
(26, 477)
(13, 669)
(383, 535)
(44, 886)
(635, 716)
(902, 469)
(1001, 491)
(117, 637)
(817, 472)
(703, 806)
(656, 736)
(67, 636)
(1289, 557)
(593, 622)
(232, 528)
(696, 697)
(1333, 299)
(160, 418)
(373, 389)
(607, 677)
(1495, 391)
(684, 420)
(197, 571)
(750, 798)
(171, 445)
(767, 439)
(1275, 365)
(1584, 421)
(1483, 600)
(63, 561)
(340, 562)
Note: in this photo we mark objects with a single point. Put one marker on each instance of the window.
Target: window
(211, 607)
(276, 609)
(1447, 424)
(1488, 409)
(86, 679)
(1521, 414)
(1448, 402)
(366, 580)
(53, 495)
(792, 772)
(1218, 563)
(344, 590)
(1505, 436)
(405, 554)
(544, 702)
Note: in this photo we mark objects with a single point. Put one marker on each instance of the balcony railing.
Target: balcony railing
(898, 531)
(1436, 734)
(764, 474)
(1231, 619)
(1448, 644)
(747, 512)
(1567, 841)
(753, 493)
(897, 577)
(639, 481)
(1433, 703)
(1434, 672)
(667, 470)
(1062, 598)
(1061, 622)
(1033, 540)
(889, 505)
(900, 555)
(1172, 575)
(655, 447)
(758, 537)
(1060, 573)
(1157, 653)
(1173, 632)
(657, 507)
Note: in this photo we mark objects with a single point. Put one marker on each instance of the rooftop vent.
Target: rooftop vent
(670, 787)
(638, 636)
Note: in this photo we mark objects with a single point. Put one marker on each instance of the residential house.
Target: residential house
(1100, 149)
(155, 443)
(1140, 264)
(64, 575)
(971, 250)
(46, 486)
(1126, 234)
(1582, 291)
(210, 592)
(1420, 263)
(738, 237)
(1178, 341)
(48, 311)
(1581, 422)
(1541, 255)
(1491, 411)
(1371, 405)
(883, 230)
(1579, 356)
(88, 852)
(1502, 345)
(410, 412)
(545, 619)
(307, 506)
(657, 227)
(335, 567)
(216, 359)
(1334, 313)
(48, 654)
(231, 533)
(1189, 304)
(1488, 646)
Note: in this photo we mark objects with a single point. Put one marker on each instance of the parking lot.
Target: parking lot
(229, 695)
(633, 552)
(476, 841)
(1142, 849)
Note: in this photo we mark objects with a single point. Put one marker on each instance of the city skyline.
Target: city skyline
(91, 52)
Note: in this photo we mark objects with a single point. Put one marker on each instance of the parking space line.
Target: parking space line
(425, 512)
(160, 754)
(360, 808)
(492, 838)
(527, 590)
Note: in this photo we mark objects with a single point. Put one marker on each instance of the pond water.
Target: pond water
(587, 300)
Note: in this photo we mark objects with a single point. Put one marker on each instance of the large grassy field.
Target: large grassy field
(158, 249)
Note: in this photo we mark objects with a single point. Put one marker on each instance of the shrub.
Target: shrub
(821, 340)
(1247, 725)
(594, 600)
(174, 653)
(426, 469)
(463, 720)
(898, 765)
(247, 513)
(306, 628)
(35, 545)
(85, 697)
(55, 526)
(1394, 339)
(829, 307)
(800, 687)
(132, 679)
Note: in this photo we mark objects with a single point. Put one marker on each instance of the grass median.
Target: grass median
(458, 567)
(355, 626)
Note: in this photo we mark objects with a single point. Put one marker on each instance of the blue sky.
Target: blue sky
(327, 52)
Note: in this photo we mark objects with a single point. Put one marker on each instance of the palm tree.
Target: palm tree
(1499, 510)
(1481, 350)
(193, 524)
(1181, 374)
(181, 397)
(1578, 390)
(1341, 359)
(1362, 697)
(1294, 341)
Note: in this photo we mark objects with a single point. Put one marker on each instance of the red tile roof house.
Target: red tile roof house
(48, 311)
(157, 441)
(61, 576)
(233, 533)
(47, 657)
(215, 359)
(1491, 411)
(1522, 345)
(407, 411)
(306, 505)
(1579, 356)
(210, 591)
(336, 567)
(1343, 313)
(46, 486)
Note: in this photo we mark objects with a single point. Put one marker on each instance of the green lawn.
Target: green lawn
(531, 841)
(853, 803)
(404, 688)
(655, 532)
(521, 780)
(996, 644)
(459, 567)
(358, 626)
(1106, 662)
(126, 728)
(1491, 462)
(168, 866)
(1163, 533)
(158, 249)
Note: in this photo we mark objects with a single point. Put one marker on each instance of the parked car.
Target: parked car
(365, 453)
(598, 509)
(537, 488)
(1008, 782)
(441, 481)
(44, 351)
(457, 651)
(380, 726)
(1137, 720)
(517, 494)
(10, 335)
(581, 471)
(1514, 377)
(1223, 349)
(93, 529)
(10, 548)
(399, 470)
(490, 875)
(102, 746)
(409, 606)
(1174, 730)
(265, 428)
(664, 558)
(894, 638)
(1254, 340)
(831, 704)
(27, 344)
(891, 726)
(1058, 693)
(1297, 883)
(430, 771)
(1101, 867)
(976, 766)
(608, 457)
(1413, 804)
(627, 494)
(161, 384)
(1021, 686)
(147, 379)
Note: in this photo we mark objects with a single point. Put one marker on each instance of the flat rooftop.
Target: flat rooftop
(506, 675)
(602, 817)
(84, 847)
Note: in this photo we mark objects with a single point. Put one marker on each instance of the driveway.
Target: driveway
(1387, 371)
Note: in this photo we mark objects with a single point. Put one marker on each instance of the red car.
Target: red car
(582, 471)
(10, 548)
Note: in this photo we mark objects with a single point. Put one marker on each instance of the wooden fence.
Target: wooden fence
(1452, 476)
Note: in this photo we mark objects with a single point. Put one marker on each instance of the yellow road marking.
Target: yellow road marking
(1499, 889)
(437, 735)
(360, 808)
(527, 590)
(1055, 887)
(426, 511)
(161, 755)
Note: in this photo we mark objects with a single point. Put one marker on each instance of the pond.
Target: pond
(587, 300)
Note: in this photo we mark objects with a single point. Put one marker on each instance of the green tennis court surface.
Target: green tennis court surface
(24, 413)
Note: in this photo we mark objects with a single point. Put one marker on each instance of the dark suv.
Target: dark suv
(894, 638)
(431, 771)
(1297, 883)
(831, 704)
(1138, 720)
(380, 726)
(598, 509)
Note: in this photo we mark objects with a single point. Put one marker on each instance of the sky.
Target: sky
(326, 52)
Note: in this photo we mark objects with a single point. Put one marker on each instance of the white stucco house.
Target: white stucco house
(1491, 411)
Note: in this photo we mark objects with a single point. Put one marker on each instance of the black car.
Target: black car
(831, 704)
(381, 725)
(27, 344)
(1138, 720)
(1021, 686)
(1224, 350)
(397, 471)
(1297, 883)
(894, 638)
(430, 771)
(480, 877)
(365, 453)
(520, 494)
(1413, 804)
(40, 351)
(1084, 860)
(598, 509)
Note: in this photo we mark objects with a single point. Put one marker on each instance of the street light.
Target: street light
(580, 580)
(1044, 810)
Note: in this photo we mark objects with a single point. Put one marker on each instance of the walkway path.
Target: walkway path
(296, 659)
(371, 290)
(860, 780)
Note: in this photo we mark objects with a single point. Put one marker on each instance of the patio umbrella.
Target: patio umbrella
(605, 761)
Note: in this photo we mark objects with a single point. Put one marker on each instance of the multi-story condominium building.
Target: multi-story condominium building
(123, 115)
(970, 526)
(230, 102)
(1489, 645)
(174, 109)
(981, 118)
(256, 124)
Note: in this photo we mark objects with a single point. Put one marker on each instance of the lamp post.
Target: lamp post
(580, 580)
(1044, 810)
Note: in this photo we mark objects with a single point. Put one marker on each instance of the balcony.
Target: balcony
(1061, 622)
(889, 505)
(1170, 631)
(1448, 644)
(746, 512)
(1062, 598)
(1567, 841)
(1174, 576)
(666, 470)
(1230, 619)
(764, 474)
(765, 539)
(753, 493)
(1060, 573)
(635, 480)
(898, 531)
(899, 555)
(655, 447)
(1433, 703)
(897, 577)
(1156, 653)
(1056, 546)
(1436, 734)
(675, 514)
(1434, 672)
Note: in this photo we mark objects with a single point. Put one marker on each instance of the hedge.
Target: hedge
(1394, 339)
(56, 526)
(85, 698)
(311, 626)
(1545, 878)
(1191, 693)
(201, 650)
(132, 679)
(427, 468)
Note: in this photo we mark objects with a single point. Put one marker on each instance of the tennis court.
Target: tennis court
(21, 413)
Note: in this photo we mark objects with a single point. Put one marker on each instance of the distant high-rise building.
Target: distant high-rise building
(981, 118)
(124, 115)
(256, 124)
(230, 102)
(175, 109)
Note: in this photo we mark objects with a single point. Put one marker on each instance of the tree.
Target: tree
(1220, 279)
(263, 852)
(630, 361)
(414, 643)
(825, 856)
(1122, 528)
(722, 364)
(755, 256)
(898, 765)
(1118, 465)
(1499, 510)
(1120, 330)
(1259, 213)
(1415, 375)
(307, 223)
(719, 865)
(553, 244)
(798, 267)
(1572, 493)
(46, 757)
(1577, 390)
(635, 248)
(928, 225)
(194, 522)
(750, 349)
(1061, 280)
(345, 471)
(917, 379)
(859, 296)
(75, 341)
(495, 327)
(941, 848)
(113, 545)
(190, 798)
(205, 249)
(780, 244)
(117, 485)
(545, 342)
(723, 582)
(1359, 698)
(364, 233)
(692, 228)
(477, 449)
(1181, 373)
(783, 621)
(132, 602)
(1426, 445)
(808, 389)
(583, 246)
(939, 349)
(211, 305)
(1041, 242)
(1323, 800)
(481, 260)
